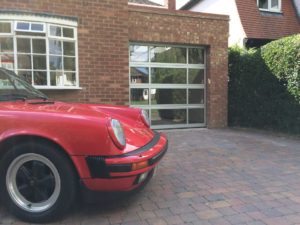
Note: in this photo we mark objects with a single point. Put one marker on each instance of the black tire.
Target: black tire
(46, 176)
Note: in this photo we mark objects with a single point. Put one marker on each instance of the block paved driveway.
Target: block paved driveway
(214, 177)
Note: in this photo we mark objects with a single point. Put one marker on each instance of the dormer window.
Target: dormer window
(269, 5)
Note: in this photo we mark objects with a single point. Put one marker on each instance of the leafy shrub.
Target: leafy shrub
(258, 98)
(283, 59)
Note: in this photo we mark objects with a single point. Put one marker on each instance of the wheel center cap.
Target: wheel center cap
(32, 183)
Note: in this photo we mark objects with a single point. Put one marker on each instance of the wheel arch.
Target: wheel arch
(6, 145)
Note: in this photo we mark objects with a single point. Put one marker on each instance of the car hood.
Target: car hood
(137, 134)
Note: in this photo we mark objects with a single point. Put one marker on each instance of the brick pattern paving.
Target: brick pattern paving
(209, 177)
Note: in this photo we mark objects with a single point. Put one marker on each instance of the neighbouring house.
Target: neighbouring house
(169, 62)
(253, 22)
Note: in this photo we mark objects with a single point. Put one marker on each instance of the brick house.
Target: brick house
(253, 22)
(172, 63)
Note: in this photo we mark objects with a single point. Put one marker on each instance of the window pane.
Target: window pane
(68, 32)
(55, 31)
(168, 96)
(139, 75)
(168, 116)
(37, 27)
(5, 83)
(39, 62)
(168, 76)
(69, 63)
(23, 45)
(6, 44)
(40, 77)
(39, 46)
(56, 78)
(55, 62)
(22, 26)
(69, 48)
(7, 61)
(196, 115)
(24, 62)
(55, 47)
(263, 4)
(70, 79)
(196, 56)
(25, 75)
(27, 33)
(275, 4)
(196, 76)
(139, 96)
(138, 53)
(196, 96)
(5, 27)
(168, 54)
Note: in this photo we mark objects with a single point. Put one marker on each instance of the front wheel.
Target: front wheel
(38, 183)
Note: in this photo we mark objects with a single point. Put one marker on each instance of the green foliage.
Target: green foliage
(258, 98)
(283, 59)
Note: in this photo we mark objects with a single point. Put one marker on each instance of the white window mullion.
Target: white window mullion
(31, 56)
(77, 57)
(47, 57)
(15, 52)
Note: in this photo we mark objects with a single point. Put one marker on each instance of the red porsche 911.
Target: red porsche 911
(49, 150)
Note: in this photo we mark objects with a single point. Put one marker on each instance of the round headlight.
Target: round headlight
(145, 117)
(117, 133)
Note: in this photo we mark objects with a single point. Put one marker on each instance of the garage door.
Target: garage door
(169, 82)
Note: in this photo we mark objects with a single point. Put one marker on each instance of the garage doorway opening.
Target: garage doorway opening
(169, 82)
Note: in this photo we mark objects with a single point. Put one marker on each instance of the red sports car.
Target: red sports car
(49, 149)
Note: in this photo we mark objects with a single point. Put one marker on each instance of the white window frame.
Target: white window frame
(44, 35)
(30, 24)
(269, 9)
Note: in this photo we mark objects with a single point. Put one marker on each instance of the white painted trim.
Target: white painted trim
(38, 18)
(269, 9)
(57, 87)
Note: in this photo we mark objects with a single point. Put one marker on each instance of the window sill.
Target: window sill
(57, 88)
(271, 11)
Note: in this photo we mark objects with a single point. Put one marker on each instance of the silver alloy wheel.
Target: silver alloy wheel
(33, 182)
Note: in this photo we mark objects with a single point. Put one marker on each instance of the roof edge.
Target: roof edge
(179, 13)
(190, 4)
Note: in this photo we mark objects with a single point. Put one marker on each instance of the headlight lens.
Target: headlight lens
(145, 117)
(117, 133)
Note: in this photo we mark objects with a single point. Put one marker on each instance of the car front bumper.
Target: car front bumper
(127, 171)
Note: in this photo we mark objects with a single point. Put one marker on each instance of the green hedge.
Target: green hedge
(259, 98)
(283, 59)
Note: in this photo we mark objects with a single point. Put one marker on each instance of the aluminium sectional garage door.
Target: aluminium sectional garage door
(169, 82)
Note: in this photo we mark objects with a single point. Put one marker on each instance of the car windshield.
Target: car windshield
(14, 88)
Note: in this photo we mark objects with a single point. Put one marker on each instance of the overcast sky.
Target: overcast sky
(179, 3)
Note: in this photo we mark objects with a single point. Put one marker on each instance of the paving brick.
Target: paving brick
(223, 191)
(172, 220)
(189, 217)
(238, 219)
(218, 204)
(208, 214)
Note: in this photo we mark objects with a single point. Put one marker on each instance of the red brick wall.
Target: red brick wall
(104, 31)
(102, 44)
(189, 28)
(268, 25)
